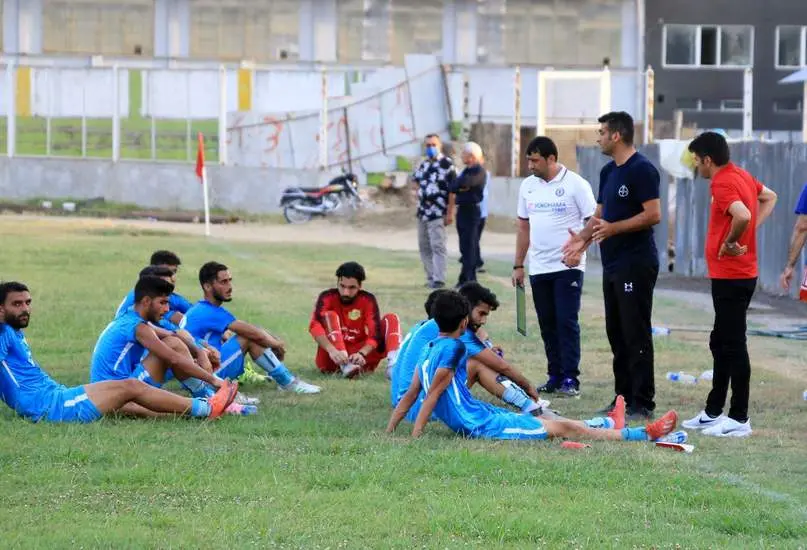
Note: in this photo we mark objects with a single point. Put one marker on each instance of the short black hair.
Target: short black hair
(431, 298)
(151, 287)
(209, 272)
(477, 294)
(712, 145)
(544, 146)
(619, 121)
(165, 257)
(9, 287)
(155, 271)
(449, 309)
(351, 270)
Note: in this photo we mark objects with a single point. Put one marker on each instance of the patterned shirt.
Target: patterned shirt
(433, 177)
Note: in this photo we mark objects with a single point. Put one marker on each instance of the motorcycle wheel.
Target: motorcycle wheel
(293, 215)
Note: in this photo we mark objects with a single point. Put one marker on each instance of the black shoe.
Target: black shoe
(437, 284)
(638, 414)
(481, 270)
(551, 386)
(569, 389)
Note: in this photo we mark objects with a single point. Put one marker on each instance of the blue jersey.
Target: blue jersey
(117, 352)
(24, 386)
(207, 322)
(473, 347)
(408, 356)
(176, 304)
(458, 409)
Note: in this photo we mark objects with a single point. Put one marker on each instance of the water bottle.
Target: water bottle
(805, 395)
(682, 377)
(660, 331)
(676, 437)
(706, 376)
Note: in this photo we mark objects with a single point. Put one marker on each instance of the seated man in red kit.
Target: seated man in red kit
(346, 324)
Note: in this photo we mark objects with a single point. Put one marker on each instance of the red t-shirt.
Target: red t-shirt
(730, 184)
(360, 319)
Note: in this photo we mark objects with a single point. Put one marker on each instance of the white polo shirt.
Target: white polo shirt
(553, 208)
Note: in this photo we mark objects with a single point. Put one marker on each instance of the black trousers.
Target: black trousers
(628, 295)
(468, 218)
(731, 298)
(479, 261)
(556, 297)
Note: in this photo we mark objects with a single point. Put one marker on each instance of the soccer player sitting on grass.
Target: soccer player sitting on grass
(484, 364)
(348, 328)
(435, 386)
(163, 264)
(34, 395)
(209, 320)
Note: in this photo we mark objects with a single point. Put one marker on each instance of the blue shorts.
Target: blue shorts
(232, 360)
(143, 375)
(510, 425)
(72, 405)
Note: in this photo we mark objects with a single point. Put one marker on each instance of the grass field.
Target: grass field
(318, 472)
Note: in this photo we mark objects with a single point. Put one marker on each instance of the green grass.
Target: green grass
(318, 472)
(171, 141)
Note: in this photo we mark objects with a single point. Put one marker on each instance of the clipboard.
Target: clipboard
(521, 310)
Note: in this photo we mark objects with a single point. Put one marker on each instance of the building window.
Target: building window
(791, 46)
(258, 30)
(120, 28)
(787, 106)
(708, 45)
(710, 105)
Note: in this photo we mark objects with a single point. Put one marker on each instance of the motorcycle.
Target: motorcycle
(300, 204)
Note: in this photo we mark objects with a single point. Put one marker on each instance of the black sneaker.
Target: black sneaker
(551, 386)
(569, 389)
(607, 409)
(437, 284)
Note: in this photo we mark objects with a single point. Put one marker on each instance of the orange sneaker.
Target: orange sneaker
(617, 414)
(662, 426)
(222, 399)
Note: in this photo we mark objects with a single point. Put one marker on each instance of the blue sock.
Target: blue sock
(276, 370)
(197, 388)
(634, 434)
(600, 422)
(516, 397)
(200, 408)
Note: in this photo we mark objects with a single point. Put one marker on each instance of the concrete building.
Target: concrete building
(544, 32)
(699, 50)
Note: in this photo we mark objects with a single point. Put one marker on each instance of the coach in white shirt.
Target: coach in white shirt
(552, 201)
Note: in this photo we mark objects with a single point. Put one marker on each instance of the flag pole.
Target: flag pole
(207, 204)
(201, 173)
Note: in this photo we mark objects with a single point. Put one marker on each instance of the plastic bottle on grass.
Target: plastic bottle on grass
(681, 377)
(660, 331)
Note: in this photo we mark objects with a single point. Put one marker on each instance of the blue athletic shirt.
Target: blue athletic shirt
(420, 335)
(456, 407)
(24, 386)
(117, 352)
(207, 322)
(623, 190)
(801, 206)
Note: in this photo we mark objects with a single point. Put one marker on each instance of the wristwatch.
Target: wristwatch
(730, 246)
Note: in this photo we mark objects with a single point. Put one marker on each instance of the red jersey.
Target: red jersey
(730, 184)
(360, 319)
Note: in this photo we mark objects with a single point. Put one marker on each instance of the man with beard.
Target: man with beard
(209, 320)
(120, 351)
(346, 324)
(34, 395)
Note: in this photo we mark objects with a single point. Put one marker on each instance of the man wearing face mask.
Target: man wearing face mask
(435, 205)
(469, 187)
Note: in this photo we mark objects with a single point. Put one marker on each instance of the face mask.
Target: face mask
(431, 151)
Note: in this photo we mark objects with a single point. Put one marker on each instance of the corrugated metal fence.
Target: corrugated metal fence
(780, 166)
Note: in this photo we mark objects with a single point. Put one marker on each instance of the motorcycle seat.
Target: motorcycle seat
(311, 190)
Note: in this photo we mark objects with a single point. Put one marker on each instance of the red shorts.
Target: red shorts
(327, 366)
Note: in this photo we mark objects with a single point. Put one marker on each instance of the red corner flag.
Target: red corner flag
(200, 157)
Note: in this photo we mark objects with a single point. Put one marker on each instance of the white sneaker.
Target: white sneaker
(350, 370)
(730, 428)
(702, 421)
(242, 399)
(298, 386)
